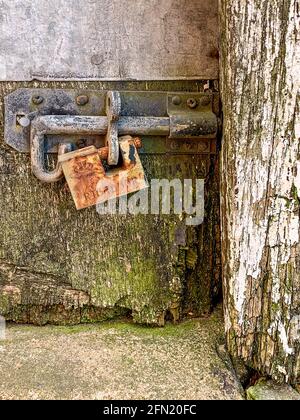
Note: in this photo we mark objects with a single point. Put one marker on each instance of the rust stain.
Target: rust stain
(90, 184)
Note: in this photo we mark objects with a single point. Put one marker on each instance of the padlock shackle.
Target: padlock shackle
(80, 125)
(103, 152)
(37, 156)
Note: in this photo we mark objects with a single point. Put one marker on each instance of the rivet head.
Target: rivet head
(23, 121)
(37, 99)
(205, 100)
(192, 103)
(176, 100)
(82, 100)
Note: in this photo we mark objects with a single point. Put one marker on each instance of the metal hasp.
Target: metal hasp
(41, 121)
(191, 116)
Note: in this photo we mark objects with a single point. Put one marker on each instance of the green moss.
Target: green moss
(4, 304)
(275, 307)
(135, 285)
(121, 263)
(191, 258)
(294, 194)
(267, 390)
(128, 327)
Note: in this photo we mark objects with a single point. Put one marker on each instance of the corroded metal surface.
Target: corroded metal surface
(108, 40)
(113, 110)
(83, 170)
(88, 181)
(191, 115)
(56, 113)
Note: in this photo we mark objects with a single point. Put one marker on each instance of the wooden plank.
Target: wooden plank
(60, 265)
(108, 40)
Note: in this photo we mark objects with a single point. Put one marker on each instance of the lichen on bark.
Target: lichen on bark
(260, 73)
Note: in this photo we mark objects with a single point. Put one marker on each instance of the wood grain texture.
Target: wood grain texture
(108, 39)
(260, 70)
(59, 265)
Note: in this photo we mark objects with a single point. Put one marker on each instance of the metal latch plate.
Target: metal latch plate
(191, 116)
(193, 125)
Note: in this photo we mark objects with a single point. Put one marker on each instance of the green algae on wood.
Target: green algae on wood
(58, 265)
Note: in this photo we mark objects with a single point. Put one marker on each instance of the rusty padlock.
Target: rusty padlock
(90, 184)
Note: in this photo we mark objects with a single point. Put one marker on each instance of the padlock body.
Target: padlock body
(90, 184)
(126, 179)
(83, 170)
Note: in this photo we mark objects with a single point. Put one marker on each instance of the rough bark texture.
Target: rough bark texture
(260, 70)
(58, 265)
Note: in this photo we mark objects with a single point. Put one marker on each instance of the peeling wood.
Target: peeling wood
(260, 81)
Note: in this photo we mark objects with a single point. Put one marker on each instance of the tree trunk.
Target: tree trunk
(260, 69)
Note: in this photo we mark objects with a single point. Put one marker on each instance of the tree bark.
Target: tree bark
(260, 71)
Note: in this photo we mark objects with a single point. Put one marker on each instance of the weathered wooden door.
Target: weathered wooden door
(63, 266)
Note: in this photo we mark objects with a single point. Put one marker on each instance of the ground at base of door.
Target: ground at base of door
(117, 360)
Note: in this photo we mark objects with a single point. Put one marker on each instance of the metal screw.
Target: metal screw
(37, 99)
(176, 100)
(23, 121)
(192, 103)
(205, 100)
(82, 100)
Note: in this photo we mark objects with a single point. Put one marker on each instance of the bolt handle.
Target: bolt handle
(113, 110)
